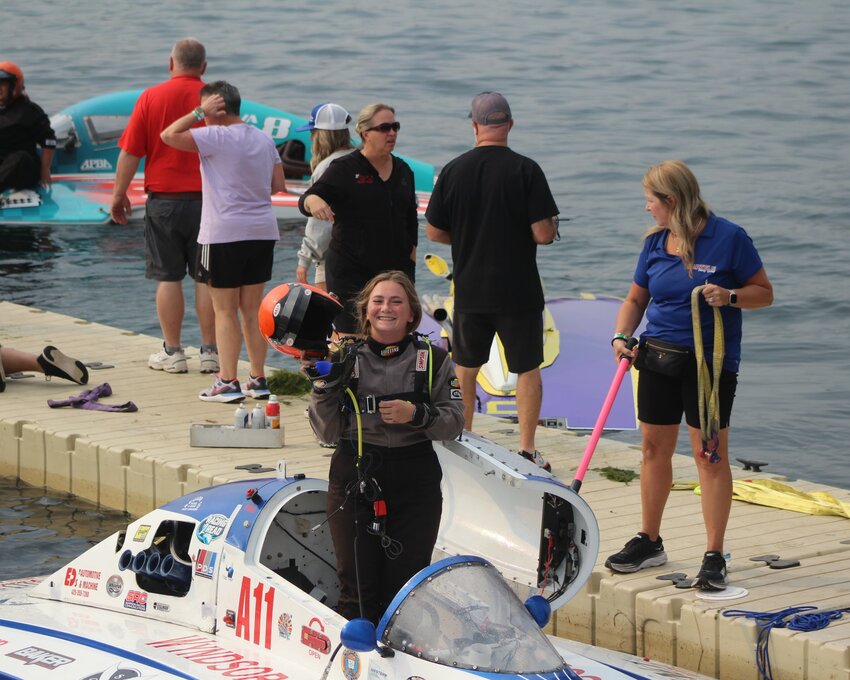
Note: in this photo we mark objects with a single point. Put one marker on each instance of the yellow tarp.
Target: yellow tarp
(783, 496)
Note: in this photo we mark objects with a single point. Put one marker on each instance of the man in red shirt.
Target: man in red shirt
(173, 209)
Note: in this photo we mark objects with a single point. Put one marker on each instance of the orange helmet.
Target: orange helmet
(9, 70)
(296, 317)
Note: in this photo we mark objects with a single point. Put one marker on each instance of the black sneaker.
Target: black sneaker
(537, 458)
(56, 364)
(639, 553)
(712, 574)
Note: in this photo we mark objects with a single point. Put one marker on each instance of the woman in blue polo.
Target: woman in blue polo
(689, 246)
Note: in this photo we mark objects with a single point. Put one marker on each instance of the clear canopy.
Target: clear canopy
(465, 616)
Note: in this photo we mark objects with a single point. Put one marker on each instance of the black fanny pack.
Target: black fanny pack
(662, 357)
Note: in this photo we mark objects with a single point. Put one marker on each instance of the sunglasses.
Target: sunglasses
(385, 127)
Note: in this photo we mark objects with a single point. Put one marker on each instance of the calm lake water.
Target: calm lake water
(751, 94)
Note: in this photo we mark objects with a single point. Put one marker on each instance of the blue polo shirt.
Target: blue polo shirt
(725, 256)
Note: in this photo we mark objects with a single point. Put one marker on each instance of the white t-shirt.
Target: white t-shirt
(237, 162)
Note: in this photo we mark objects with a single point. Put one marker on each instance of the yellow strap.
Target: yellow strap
(708, 386)
(359, 425)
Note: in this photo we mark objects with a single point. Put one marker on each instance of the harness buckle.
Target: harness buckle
(371, 404)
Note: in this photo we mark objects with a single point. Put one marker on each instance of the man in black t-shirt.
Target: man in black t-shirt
(494, 207)
(24, 126)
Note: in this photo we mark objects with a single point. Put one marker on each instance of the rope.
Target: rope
(708, 385)
(790, 618)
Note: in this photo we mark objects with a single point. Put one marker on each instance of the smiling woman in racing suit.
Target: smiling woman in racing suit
(385, 400)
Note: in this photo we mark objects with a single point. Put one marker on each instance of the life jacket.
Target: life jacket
(428, 364)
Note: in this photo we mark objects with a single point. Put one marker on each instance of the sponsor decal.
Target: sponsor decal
(284, 625)
(252, 602)
(228, 572)
(315, 638)
(114, 585)
(82, 582)
(390, 350)
(350, 664)
(422, 359)
(194, 503)
(218, 659)
(141, 533)
(211, 528)
(705, 268)
(136, 600)
(116, 673)
(455, 383)
(95, 164)
(363, 179)
(455, 395)
(41, 657)
(230, 618)
(377, 673)
(162, 606)
(205, 563)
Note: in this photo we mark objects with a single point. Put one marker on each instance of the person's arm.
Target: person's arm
(544, 231)
(46, 159)
(125, 170)
(438, 235)
(628, 318)
(756, 292)
(446, 403)
(278, 179)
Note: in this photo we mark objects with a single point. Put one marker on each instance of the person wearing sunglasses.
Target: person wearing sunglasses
(368, 196)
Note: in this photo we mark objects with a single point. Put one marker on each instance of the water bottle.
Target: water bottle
(258, 418)
(240, 417)
(273, 412)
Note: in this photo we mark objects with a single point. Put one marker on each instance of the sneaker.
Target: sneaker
(712, 574)
(56, 364)
(537, 458)
(257, 388)
(639, 553)
(225, 392)
(209, 361)
(170, 363)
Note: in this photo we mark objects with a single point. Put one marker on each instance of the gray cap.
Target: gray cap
(490, 108)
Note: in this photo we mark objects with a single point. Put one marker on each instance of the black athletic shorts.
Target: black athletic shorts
(521, 335)
(240, 263)
(171, 238)
(662, 399)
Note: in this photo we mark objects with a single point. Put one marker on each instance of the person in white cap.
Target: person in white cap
(328, 126)
(488, 202)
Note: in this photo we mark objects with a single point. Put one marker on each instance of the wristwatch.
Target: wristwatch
(733, 297)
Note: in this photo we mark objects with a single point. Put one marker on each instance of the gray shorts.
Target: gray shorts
(171, 238)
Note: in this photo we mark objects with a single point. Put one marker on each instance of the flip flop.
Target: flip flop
(56, 364)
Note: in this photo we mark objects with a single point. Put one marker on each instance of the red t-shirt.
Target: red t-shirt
(166, 168)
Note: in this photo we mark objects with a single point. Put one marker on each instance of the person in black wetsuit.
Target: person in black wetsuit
(24, 126)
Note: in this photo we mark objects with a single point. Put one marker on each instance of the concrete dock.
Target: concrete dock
(137, 461)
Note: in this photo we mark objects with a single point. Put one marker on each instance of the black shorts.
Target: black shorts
(662, 400)
(171, 238)
(240, 263)
(521, 335)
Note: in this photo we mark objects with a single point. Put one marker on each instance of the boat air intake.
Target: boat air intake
(174, 571)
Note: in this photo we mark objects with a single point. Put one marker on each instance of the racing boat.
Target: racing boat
(83, 169)
(239, 581)
(577, 359)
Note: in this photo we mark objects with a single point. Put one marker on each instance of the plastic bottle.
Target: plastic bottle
(273, 412)
(240, 417)
(258, 418)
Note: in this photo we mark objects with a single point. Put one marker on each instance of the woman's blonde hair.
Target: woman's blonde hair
(675, 184)
(325, 142)
(399, 277)
(364, 118)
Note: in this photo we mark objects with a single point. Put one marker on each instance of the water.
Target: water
(752, 95)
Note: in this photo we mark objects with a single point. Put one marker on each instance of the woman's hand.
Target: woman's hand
(319, 208)
(396, 411)
(716, 296)
(620, 350)
(301, 274)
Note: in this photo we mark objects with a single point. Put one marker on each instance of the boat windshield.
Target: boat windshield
(465, 616)
(105, 128)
